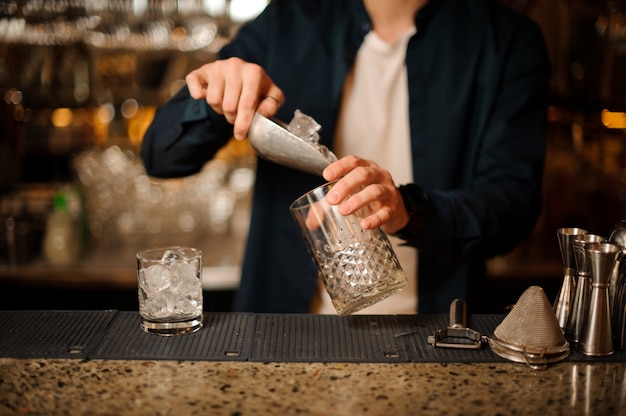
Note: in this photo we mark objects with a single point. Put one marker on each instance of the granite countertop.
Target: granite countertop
(121, 387)
(102, 363)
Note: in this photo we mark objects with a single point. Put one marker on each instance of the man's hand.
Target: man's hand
(236, 89)
(364, 184)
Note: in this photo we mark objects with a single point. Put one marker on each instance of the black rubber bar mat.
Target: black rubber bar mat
(247, 337)
(415, 330)
(224, 337)
(52, 334)
(295, 338)
(327, 338)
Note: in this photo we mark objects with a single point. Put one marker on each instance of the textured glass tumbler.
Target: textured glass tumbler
(170, 290)
(358, 267)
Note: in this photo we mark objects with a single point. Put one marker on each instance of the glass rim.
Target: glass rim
(571, 231)
(298, 202)
(197, 253)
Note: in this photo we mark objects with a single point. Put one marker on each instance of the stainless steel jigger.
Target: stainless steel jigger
(563, 302)
(580, 305)
(596, 337)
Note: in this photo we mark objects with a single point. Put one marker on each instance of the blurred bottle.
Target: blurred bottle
(62, 240)
(18, 232)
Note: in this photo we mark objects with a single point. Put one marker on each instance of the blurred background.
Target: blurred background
(80, 81)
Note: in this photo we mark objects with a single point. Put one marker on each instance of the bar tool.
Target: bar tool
(580, 305)
(457, 334)
(596, 337)
(617, 287)
(530, 333)
(272, 140)
(563, 302)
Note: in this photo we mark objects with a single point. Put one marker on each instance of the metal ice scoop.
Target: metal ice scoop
(272, 140)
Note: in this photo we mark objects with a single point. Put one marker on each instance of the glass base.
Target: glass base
(357, 304)
(169, 329)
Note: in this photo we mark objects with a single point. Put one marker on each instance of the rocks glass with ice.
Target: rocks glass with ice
(170, 290)
(358, 267)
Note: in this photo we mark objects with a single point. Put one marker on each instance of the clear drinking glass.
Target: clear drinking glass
(358, 267)
(170, 290)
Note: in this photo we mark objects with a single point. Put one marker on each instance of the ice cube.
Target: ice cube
(168, 305)
(185, 284)
(181, 275)
(305, 127)
(159, 306)
(169, 256)
(154, 279)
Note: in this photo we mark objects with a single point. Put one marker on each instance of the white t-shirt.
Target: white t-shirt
(374, 125)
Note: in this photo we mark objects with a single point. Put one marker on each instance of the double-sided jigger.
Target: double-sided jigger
(563, 303)
(596, 337)
(580, 304)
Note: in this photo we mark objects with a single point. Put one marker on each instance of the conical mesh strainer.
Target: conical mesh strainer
(531, 333)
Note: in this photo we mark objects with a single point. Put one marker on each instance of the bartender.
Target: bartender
(435, 108)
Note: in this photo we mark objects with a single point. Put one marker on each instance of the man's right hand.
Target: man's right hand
(237, 89)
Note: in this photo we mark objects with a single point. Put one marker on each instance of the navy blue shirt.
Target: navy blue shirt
(478, 78)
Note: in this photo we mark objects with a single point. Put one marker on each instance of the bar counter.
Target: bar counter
(104, 387)
(102, 363)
